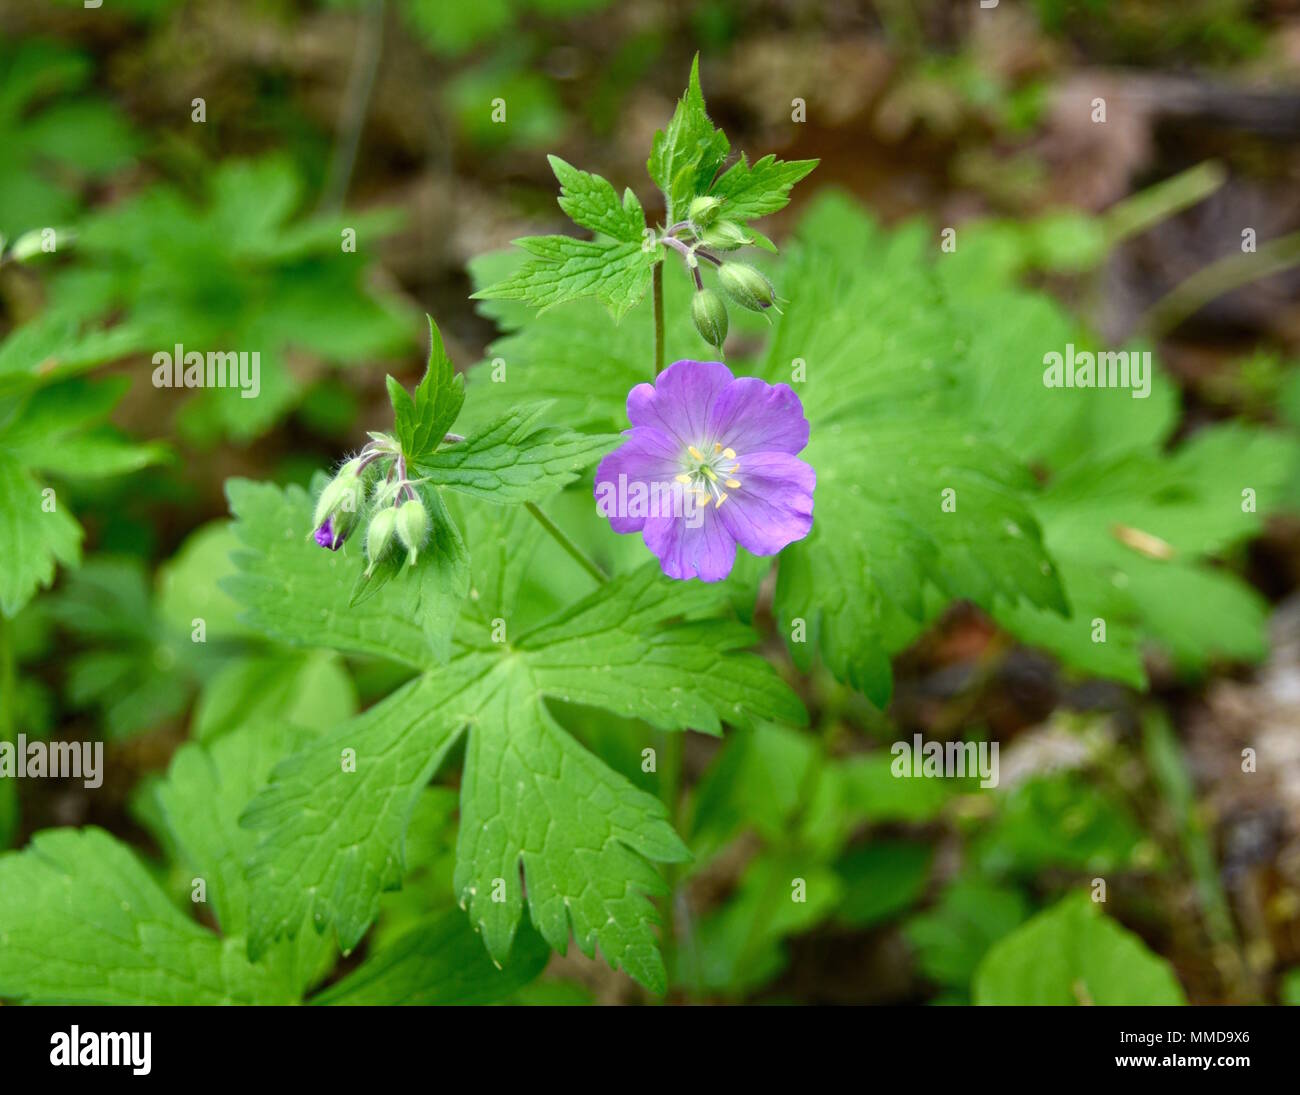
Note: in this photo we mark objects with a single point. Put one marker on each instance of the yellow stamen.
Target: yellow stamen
(717, 446)
(694, 452)
(683, 478)
(733, 483)
(721, 498)
(730, 454)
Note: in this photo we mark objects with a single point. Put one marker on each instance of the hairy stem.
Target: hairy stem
(9, 813)
(677, 245)
(356, 105)
(561, 537)
(658, 294)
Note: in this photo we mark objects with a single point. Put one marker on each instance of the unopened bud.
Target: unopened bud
(379, 535)
(710, 314)
(746, 286)
(702, 210)
(342, 494)
(724, 236)
(412, 527)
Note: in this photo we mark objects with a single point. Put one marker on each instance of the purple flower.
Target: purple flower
(710, 462)
(326, 537)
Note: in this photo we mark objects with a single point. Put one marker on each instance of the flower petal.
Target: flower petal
(753, 416)
(773, 507)
(678, 402)
(326, 537)
(647, 457)
(707, 551)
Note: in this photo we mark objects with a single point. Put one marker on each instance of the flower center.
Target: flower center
(710, 473)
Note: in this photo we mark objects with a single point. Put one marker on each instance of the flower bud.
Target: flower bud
(746, 286)
(702, 210)
(724, 236)
(412, 527)
(342, 494)
(710, 315)
(327, 536)
(379, 535)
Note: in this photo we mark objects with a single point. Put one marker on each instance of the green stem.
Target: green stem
(658, 293)
(1157, 203)
(9, 813)
(1221, 277)
(562, 538)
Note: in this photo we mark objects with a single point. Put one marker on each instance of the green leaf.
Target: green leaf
(863, 788)
(740, 946)
(276, 286)
(688, 675)
(952, 938)
(1132, 534)
(614, 268)
(439, 961)
(572, 355)
(298, 593)
(310, 688)
(421, 423)
(531, 796)
(1289, 989)
(880, 880)
(59, 430)
(756, 780)
(1074, 954)
(59, 344)
(199, 804)
(590, 201)
(94, 927)
(686, 155)
(752, 192)
(137, 671)
(51, 423)
(909, 496)
(338, 811)
(190, 583)
(55, 136)
(83, 923)
(515, 458)
(36, 533)
(564, 268)
(1061, 820)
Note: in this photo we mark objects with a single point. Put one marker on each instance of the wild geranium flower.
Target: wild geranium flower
(710, 462)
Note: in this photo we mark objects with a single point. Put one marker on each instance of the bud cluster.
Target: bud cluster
(374, 481)
(710, 232)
